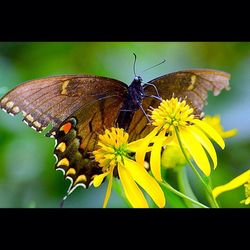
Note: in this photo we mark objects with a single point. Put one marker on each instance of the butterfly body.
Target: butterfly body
(132, 102)
(80, 107)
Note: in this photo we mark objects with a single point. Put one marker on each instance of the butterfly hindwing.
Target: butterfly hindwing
(77, 138)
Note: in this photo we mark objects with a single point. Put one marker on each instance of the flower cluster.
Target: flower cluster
(114, 153)
(177, 138)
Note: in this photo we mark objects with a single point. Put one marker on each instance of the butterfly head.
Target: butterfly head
(138, 80)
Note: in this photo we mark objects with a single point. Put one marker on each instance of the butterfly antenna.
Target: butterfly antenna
(154, 65)
(134, 64)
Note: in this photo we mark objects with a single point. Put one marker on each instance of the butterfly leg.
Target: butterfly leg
(140, 105)
(154, 96)
(150, 84)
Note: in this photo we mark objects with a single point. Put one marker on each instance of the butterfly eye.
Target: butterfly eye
(138, 78)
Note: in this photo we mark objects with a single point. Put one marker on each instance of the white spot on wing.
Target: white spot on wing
(34, 128)
(61, 169)
(77, 185)
(26, 122)
(91, 183)
(55, 143)
(71, 183)
(56, 158)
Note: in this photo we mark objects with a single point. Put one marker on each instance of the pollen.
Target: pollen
(172, 113)
(112, 148)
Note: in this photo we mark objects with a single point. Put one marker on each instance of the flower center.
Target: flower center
(172, 113)
(112, 148)
(121, 151)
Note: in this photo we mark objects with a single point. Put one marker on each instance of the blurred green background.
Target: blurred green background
(27, 175)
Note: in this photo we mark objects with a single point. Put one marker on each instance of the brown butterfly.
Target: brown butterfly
(79, 107)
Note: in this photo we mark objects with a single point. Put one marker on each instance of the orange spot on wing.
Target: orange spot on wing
(66, 127)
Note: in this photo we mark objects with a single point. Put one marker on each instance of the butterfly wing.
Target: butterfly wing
(78, 107)
(192, 84)
(77, 137)
(53, 99)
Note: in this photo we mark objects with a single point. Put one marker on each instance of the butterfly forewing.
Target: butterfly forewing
(53, 99)
(192, 84)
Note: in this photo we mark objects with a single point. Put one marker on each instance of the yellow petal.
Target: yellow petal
(211, 132)
(108, 192)
(196, 151)
(247, 201)
(206, 143)
(132, 191)
(99, 178)
(147, 182)
(229, 133)
(142, 146)
(155, 158)
(135, 145)
(236, 182)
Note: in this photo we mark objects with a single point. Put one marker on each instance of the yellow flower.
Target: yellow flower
(174, 119)
(172, 156)
(114, 153)
(215, 122)
(244, 178)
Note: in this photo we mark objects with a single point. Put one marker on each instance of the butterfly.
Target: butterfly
(80, 107)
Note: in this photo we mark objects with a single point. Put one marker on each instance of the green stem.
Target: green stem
(170, 188)
(184, 185)
(212, 201)
(118, 189)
